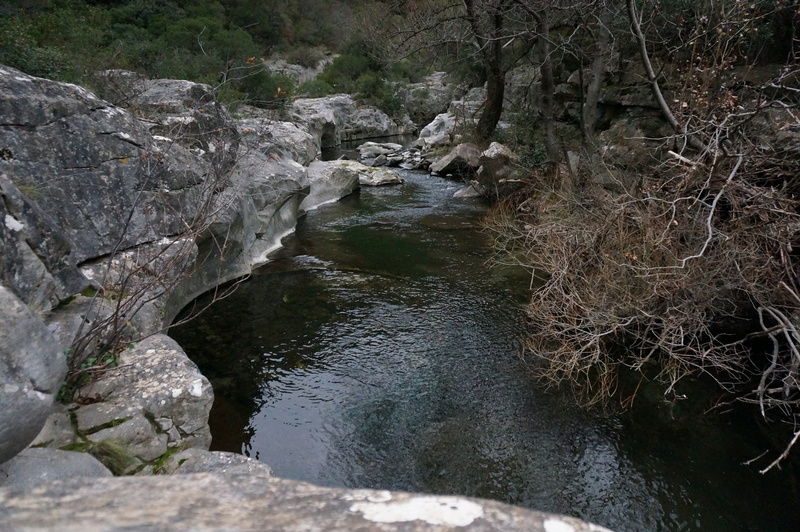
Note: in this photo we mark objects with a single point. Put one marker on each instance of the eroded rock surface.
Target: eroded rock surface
(156, 398)
(329, 181)
(33, 467)
(32, 367)
(213, 501)
(337, 118)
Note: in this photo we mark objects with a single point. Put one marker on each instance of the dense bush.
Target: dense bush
(220, 43)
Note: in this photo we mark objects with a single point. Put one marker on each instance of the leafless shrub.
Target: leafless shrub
(689, 273)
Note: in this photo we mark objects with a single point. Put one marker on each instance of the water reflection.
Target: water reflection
(377, 350)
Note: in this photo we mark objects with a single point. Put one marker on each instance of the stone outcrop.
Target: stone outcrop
(335, 119)
(283, 140)
(245, 502)
(462, 161)
(329, 181)
(155, 399)
(430, 97)
(153, 208)
(94, 169)
(439, 132)
(32, 367)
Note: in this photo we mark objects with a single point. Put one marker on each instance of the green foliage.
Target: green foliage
(304, 56)
(525, 138)
(264, 89)
(82, 369)
(315, 88)
(357, 71)
(112, 454)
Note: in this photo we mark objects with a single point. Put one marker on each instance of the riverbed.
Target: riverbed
(380, 349)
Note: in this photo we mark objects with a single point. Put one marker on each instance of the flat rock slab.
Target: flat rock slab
(208, 501)
(34, 467)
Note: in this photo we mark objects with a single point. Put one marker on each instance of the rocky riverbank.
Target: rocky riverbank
(115, 218)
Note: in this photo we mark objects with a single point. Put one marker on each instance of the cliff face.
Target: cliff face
(110, 221)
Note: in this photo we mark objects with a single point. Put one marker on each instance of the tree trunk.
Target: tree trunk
(593, 85)
(493, 108)
(548, 91)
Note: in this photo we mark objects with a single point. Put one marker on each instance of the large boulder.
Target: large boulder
(338, 118)
(366, 175)
(463, 161)
(499, 173)
(94, 169)
(441, 127)
(36, 466)
(283, 140)
(156, 398)
(329, 181)
(188, 113)
(252, 502)
(32, 367)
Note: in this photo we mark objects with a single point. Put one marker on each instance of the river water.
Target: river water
(379, 350)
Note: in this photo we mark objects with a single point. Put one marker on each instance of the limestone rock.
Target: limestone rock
(329, 181)
(36, 262)
(58, 430)
(93, 168)
(499, 173)
(473, 190)
(370, 150)
(138, 436)
(154, 380)
(469, 107)
(462, 161)
(283, 140)
(214, 501)
(375, 177)
(430, 97)
(337, 118)
(441, 126)
(188, 113)
(32, 367)
(200, 461)
(250, 217)
(34, 467)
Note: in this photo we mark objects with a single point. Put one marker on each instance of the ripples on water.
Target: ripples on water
(378, 350)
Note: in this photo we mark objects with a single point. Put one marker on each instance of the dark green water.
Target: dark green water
(378, 350)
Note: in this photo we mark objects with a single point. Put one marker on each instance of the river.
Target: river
(378, 349)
